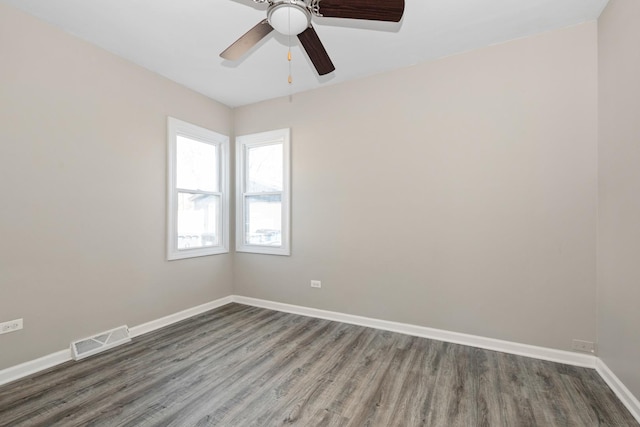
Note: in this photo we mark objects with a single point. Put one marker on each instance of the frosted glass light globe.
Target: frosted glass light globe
(289, 19)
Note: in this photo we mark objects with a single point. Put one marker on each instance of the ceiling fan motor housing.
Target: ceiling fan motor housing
(289, 17)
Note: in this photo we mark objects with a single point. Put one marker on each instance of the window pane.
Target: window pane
(263, 221)
(264, 168)
(198, 220)
(197, 165)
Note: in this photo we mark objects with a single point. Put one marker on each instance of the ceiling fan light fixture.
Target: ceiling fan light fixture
(293, 18)
(289, 18)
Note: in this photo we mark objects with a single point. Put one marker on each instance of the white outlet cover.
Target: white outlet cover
(11, 326)
(316, 284)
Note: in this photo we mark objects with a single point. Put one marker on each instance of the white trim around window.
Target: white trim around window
(263, 193)
(198, 194)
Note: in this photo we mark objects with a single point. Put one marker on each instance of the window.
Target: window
(198, 188)
(263, 193)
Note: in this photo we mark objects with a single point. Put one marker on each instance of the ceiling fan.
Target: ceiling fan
(293, 17)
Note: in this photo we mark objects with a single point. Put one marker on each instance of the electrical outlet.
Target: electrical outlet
(316, 284)
(10, 326)
(584, 346)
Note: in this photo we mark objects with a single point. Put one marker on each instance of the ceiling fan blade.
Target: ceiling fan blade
(247, 41)
(373, 10)
(316, 51)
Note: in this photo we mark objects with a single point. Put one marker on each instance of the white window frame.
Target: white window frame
(253, 140)
(177, 127)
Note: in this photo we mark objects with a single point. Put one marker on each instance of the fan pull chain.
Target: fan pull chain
(289, 58)
(290, 79)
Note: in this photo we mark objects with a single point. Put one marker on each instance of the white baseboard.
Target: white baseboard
(145, 328)
(553, 355)
(33, 366)
(14, 373)
(623, 393)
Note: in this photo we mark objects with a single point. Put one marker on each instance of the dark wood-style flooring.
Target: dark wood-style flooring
(246, 366)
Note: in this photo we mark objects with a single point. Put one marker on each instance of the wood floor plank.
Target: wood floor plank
(300, 387)
(362, 376)
(326, 418)
(443, 382)
(299, 409)
(403, 384)
(246, 366)
(547, 406)
(423, 400)
(489, 399)
(377, 403)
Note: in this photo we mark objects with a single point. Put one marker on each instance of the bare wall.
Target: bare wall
(458, 194)
(82, 181)
(619, 191)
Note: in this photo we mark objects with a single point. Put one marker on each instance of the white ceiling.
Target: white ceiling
(181, 40)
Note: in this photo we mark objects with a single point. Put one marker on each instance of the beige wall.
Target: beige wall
(458, 194)
(619, 191)
(82, 182)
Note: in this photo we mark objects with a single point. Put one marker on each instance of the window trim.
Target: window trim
(177, 127)
(254, 140)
